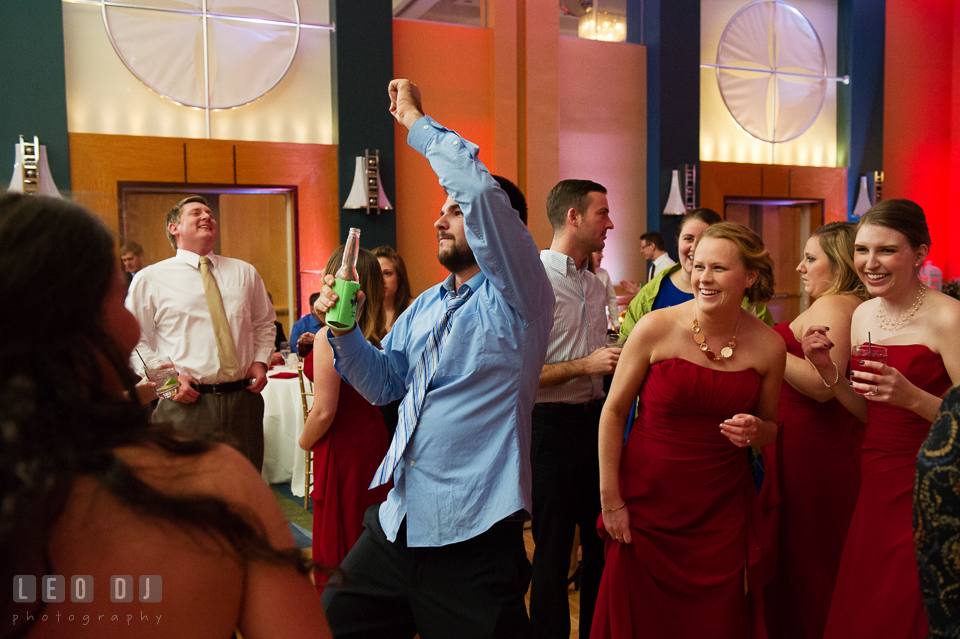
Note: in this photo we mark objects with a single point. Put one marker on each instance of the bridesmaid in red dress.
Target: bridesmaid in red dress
(815, 462)
(346, 433)
(877, 592)
(680, 509)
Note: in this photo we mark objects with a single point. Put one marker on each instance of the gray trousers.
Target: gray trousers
(238, 416)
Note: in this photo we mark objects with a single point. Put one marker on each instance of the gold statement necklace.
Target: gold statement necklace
(888, 324)
(727, 351)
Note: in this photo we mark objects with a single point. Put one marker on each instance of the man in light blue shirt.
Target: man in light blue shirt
(444, 555)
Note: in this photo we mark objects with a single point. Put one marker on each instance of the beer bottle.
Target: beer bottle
(343, 315)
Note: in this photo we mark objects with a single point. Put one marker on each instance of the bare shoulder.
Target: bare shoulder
(835, 304)
(220, 472)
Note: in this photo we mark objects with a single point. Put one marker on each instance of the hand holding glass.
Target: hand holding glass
(866, 353)
(162, 372)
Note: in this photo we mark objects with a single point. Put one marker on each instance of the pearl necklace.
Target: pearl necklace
(727, 351)
(888, 324)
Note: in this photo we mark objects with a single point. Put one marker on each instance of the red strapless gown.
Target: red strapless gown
(345, 459)
(878, 589)
(815, 466)
(693, 506)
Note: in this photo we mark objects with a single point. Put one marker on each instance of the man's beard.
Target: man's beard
(456, 258)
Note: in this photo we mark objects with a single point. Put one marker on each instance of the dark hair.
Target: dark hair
(401, 299)
(566, 195)
(173, 217)
(708, 216)
(131, 247)
(371, 319)
(517, 201)
(752, 252)
(58, 422)
(836, 241)
(313, 299)
(653, 238)
(901, 215)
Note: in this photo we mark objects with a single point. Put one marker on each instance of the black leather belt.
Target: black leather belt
(593, 404)
(221, 389)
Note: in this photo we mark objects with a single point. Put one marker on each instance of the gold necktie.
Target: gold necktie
(229, 365)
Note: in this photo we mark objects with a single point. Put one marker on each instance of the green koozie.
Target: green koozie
(343, 315)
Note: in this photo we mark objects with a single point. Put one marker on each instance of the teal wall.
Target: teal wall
(33, 97)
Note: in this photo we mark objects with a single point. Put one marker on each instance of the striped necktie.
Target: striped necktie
(413, 401)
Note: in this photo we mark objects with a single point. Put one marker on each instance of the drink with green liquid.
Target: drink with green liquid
(343, 315)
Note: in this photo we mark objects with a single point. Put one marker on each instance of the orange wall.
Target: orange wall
(453, 66)
(603, 137)
(921, 120)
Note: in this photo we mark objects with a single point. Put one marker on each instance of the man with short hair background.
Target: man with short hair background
(303, 330)
(211, 315)
(566, 417)
(131, 255)
(653, 249)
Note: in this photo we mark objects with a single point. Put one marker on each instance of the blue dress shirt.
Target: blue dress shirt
(306, 324)
(467, 465)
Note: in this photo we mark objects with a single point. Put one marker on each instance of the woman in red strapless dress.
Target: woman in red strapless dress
(681, 512)
(877, 592)
(346, 433)
(813, 469)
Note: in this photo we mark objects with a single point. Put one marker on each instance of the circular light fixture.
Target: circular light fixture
(772, 70)
(211, 54)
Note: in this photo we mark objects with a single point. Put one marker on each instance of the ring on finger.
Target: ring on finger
(748, 440)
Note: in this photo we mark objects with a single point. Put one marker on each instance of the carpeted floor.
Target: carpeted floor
(300, 520)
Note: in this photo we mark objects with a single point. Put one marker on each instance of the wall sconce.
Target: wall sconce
(863, 199)
(367, 191)
(675, 205)
(31, 173)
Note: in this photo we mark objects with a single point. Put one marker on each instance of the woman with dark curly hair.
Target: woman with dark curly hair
(91, 487)
(680, 509)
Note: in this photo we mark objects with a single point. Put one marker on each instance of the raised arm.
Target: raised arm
(502, 245)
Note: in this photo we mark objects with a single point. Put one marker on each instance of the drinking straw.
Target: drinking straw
(145, 364)
(869, 345)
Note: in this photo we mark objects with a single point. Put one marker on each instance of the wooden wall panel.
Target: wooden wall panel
(98, 162)
(822, 183)
(210, 161)
(720, 179)
(776, 181)
(253, 229)
(312, 169)
(729, 179)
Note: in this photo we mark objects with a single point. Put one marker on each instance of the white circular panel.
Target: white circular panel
(772, 70)
(206, 53)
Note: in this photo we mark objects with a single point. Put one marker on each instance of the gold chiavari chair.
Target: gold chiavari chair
(306, 384)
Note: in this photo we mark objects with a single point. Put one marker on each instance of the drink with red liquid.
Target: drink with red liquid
(866, 353)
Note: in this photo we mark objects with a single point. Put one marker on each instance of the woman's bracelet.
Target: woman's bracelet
(836, 379)
(612, 510)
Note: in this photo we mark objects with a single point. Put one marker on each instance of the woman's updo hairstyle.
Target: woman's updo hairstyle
(901, 215)
(752, 252)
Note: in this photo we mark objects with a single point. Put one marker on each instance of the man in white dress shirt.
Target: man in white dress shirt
(222, 364)
(566, 417)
